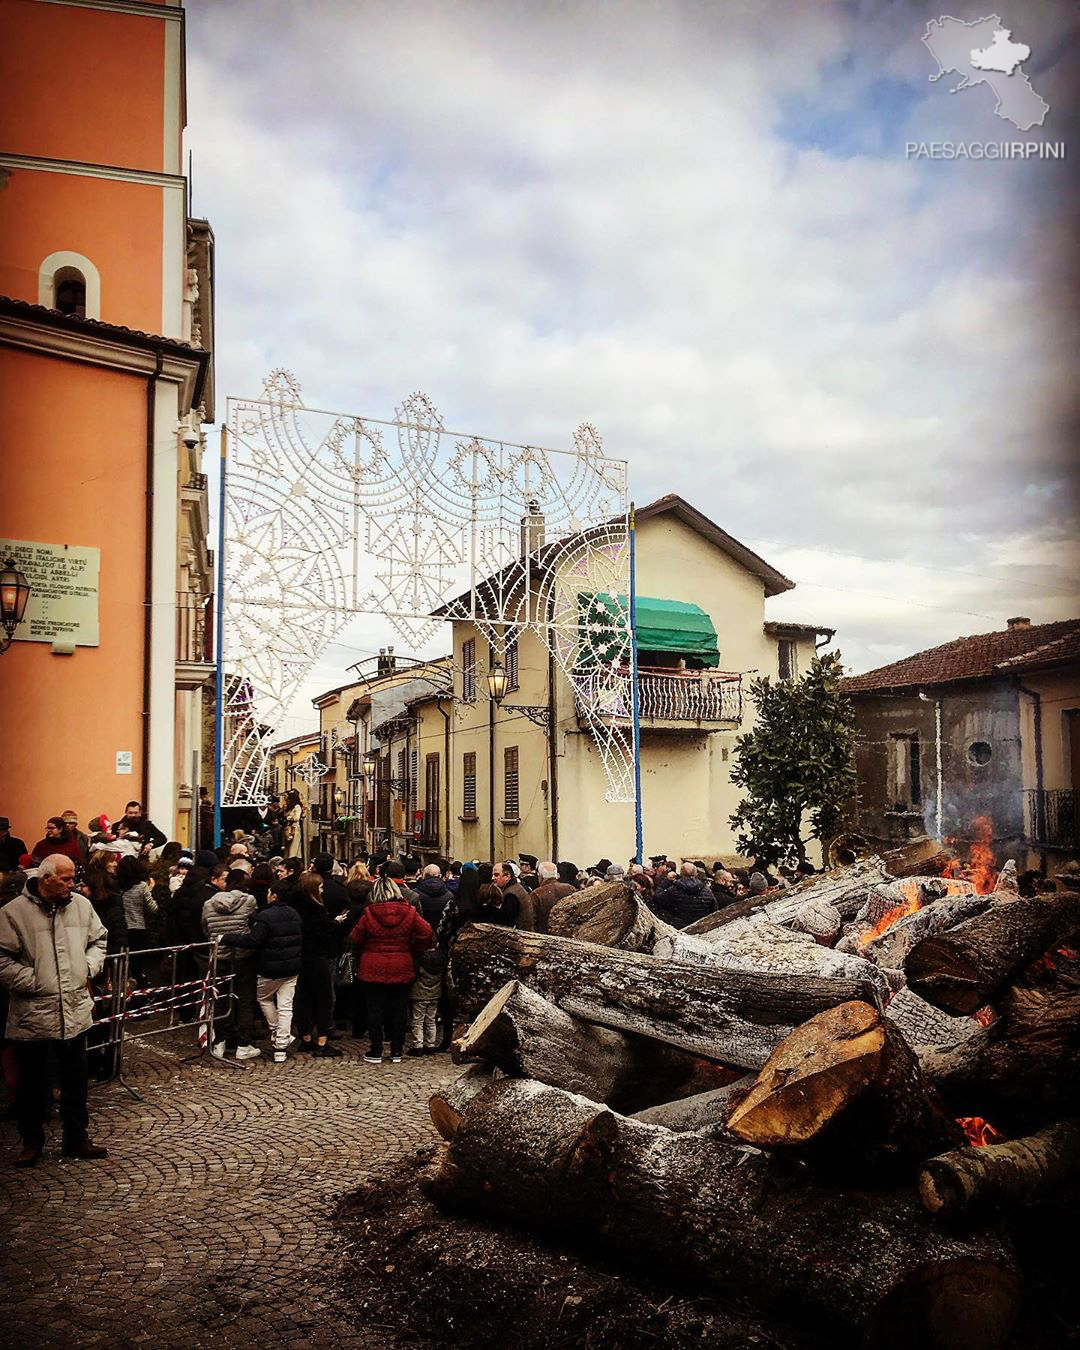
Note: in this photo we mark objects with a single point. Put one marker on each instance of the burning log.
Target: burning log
(891, 904)
(925, 1027)
(844, 889)
(872, 1268)
(611, 916)
(845, 1088)
(768, 948)
(1022, 1173)
(964, 968)
(525, 1036)
(922, 857)
(705, 1110)
(890, 948)
(737, 1017)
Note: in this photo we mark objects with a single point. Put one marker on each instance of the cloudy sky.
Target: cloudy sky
(692, 224)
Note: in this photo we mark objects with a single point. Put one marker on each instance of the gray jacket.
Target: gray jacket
(48, 953)
(229, 912)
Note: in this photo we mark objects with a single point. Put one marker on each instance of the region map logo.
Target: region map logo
(983, 52)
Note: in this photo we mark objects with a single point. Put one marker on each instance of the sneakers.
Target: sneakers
(247, 1051)
(218, 1050)
(279, 1056)
(369, 1058)
(395, 1059)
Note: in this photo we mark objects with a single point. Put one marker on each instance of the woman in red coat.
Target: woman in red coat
(59, 838)
(389, 935)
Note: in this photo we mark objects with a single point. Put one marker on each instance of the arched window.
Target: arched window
(69, 291)
(70, 283)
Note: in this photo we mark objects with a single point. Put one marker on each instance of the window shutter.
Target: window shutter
(468, 787)
(511, 794)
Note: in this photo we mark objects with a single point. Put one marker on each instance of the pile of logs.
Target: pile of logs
(777, 1101)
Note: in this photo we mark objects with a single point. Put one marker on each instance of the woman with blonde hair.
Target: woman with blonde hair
(388, 937)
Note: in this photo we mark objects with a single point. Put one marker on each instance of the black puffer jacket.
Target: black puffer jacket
(322, 937)
(434, 897)
(275, 939)
(686, 899)
(335, 895)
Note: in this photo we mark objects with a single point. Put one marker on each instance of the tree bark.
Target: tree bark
(770, 949)
(922, 857)
(845, 889)
(611, 916)
(844, 1089)
(1021, 1173)
(448, 1106)
(704, 1110)
(737, 1017)
(871, 1268)
(890, 949)
(526, 1036)
(964, 968)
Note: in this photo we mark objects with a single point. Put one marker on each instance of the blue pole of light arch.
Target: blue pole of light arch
(219, 632)
(634, 688)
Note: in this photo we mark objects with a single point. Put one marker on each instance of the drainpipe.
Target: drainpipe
(553, 758)
(148, 572)
(937, 759)
(446, 772)
(491, 779)
(1036, 820)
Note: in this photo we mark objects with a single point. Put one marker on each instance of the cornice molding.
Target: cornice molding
(136, 7)
(80, 169)
(112, 353)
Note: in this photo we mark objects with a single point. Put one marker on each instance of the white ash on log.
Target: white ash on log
(844, 889)
(766, 947)
(612, 916)
(734, 1016)
(1007, 883)
(845, 1089)
(821, 920)
(1022, 1173)
(964, 968)
(927, 1028)
(888, 905)
(526, 1036)
(921, 857)
(869, 1268)
(704, 1110)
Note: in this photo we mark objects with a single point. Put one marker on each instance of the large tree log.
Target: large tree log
(704, 1110)
(871, 1268)
(964, 968)
(612, 916)
(768, 948)
(890, 949)
(921, 857)
(737, 1017)
(1024, 1172)
(925, 1027)
(526, 1036)
(845, 1088)
(447, 1106)
(845, 889)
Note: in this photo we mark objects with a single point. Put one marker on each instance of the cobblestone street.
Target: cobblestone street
(208, 1224)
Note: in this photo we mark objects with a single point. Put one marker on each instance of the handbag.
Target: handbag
(346, 967)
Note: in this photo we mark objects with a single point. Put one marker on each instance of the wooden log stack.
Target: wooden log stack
(761, 1113)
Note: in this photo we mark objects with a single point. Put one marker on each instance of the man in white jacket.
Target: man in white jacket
(52, 944)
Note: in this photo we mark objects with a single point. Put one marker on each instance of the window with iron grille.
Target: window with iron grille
(511, 795)
(468, 784)
(512, 664)
(431, 798)
(413, 757)
(401, 773)
(468, 671)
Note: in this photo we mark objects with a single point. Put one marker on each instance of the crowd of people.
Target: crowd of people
(309, 954)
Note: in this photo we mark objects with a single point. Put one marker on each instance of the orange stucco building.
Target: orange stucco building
(106, 379)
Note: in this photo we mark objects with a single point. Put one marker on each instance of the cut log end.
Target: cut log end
(963, 1304)
(443, 1116)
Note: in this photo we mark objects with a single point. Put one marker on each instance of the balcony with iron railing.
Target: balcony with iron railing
(194, 640)
(683, 700)
(1052, 818)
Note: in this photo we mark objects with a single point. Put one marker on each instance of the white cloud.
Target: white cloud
(650, 218)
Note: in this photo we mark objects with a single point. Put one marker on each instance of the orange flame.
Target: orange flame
(980, 868)
(979, 1131)
(911, 904)
(984, 1016)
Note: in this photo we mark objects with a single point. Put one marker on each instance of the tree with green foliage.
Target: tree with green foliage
(797, 763)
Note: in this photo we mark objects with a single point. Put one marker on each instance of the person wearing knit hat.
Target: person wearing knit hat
(758, 884)
(206, 858)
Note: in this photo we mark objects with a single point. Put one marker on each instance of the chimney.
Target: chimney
(532, 528)
(1022, 621)
(385, 663)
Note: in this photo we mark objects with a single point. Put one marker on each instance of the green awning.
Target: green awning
(675, 627)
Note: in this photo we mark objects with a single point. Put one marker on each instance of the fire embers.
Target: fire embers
(979, 1132)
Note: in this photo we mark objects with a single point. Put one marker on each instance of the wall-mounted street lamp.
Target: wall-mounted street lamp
(496, 681)
(371, 763)
(14, 593)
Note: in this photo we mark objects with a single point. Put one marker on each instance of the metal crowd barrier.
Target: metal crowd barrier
(124, 1011)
